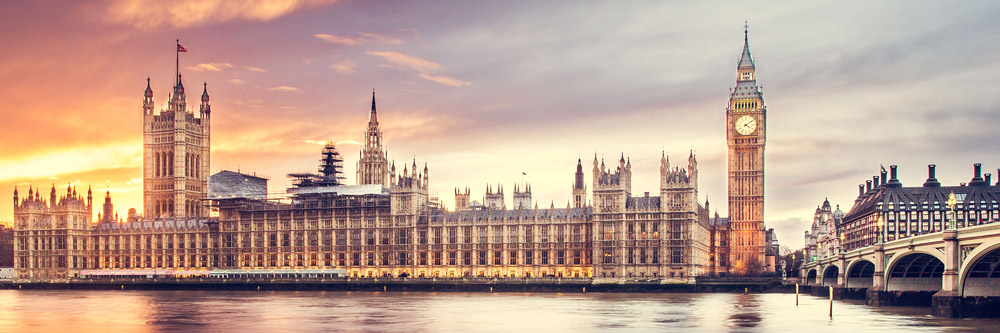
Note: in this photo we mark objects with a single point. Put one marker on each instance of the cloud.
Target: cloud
(149, 15)
(403, 60)
(448, 81)
(236, 80)
(425, 67)
(210, 67)
(363, 38)
(255, 69)
(348, 142)
(338, 39)
(345, 66)
(285, 89)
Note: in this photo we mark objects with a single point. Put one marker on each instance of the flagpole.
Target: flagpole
(177, 69)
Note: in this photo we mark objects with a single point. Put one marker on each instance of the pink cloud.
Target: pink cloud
(345, 66)
(403, 60)
(285, 89)
(210, 67)
(448, 81)
(188, 13)
(364, 38)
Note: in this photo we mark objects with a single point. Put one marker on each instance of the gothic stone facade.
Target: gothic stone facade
(387, 225)
(175, 155)
(746, 119)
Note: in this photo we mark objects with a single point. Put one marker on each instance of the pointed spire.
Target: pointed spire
(204, 93)
(149, 91)
(746, 61)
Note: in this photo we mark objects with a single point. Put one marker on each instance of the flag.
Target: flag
(524, 173)
(181, 48)
(883, 168)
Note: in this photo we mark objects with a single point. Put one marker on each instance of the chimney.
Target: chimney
(875, 181)
(893, 181)
(868, 186)
(931, 179)
(861, 189)
(987, 176)
(977, 175)
(883, 176)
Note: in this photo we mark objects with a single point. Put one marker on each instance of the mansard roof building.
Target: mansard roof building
(885, 210)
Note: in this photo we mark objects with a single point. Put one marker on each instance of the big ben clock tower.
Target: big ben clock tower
(746, 134)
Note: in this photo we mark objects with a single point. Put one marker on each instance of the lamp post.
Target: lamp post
(841, 243)
(951, 204)
(878, 224)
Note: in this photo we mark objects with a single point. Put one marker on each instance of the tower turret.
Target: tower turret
(373, 164)
(178, 102)
(205, 107)
(579, 187)
(108, 208)
(147, 100)
(52, 197)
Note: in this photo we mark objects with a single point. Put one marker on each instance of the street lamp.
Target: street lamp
(841, 243)
(878, 230)
(951, 204)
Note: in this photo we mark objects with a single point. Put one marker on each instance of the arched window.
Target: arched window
(156, 163)
(187, 163)
(158, 206)
(170, 208)
(197, 166)
(170, 166)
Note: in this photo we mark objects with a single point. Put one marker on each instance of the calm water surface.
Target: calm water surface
(115, 311)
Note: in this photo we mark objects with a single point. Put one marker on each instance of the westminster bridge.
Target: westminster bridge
(957, 269)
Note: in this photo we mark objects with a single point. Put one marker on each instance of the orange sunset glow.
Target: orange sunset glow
(504, 93)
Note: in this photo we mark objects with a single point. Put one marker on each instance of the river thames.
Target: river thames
(242, 311)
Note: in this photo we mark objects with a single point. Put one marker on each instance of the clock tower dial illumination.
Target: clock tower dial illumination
(746, 125)
(746, 133)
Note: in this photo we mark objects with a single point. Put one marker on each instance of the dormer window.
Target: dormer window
(746, 76)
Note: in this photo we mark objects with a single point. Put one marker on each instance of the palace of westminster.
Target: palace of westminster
(387, 225)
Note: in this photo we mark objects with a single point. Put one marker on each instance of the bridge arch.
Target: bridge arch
(860, 274)
(811, 277)
(830, 275)
(915, 271)
(980, 272)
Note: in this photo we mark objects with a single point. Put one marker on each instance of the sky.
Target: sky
(485, 91)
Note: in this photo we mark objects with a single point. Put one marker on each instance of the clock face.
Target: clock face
(746, 125)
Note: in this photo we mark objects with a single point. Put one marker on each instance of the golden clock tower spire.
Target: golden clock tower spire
(746, 135)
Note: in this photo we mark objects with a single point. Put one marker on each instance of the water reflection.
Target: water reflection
(745, 311)
(467, 312)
